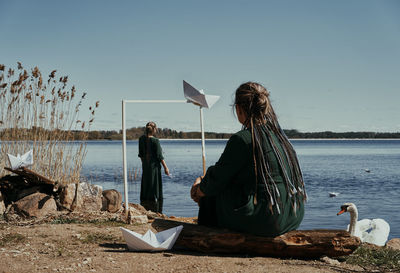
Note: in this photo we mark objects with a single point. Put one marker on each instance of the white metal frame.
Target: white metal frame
(124, 140)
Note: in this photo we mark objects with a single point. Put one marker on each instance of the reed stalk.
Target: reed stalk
(43, 115)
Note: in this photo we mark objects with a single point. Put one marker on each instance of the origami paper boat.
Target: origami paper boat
(163, 240)
(20, 161)
(198, 97)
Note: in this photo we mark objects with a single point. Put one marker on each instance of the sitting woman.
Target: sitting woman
(256, 186)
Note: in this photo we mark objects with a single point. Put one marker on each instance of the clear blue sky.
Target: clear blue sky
(329, 65)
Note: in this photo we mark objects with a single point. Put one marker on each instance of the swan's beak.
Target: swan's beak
(340, 212)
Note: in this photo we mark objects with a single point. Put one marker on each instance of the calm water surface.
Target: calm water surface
(327, 165)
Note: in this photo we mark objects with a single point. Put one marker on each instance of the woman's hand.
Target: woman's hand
(166, 171)
(195, 191)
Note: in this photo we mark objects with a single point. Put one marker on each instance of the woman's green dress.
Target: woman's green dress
(151, 155)
(230, 185)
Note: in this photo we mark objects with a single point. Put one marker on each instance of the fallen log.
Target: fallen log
(33, 176)
(296, 244)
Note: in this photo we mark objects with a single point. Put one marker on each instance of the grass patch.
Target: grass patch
(112, 222)
(61, 250)
(62, 220)
(383, 258)
(98, 238)
(12, 238)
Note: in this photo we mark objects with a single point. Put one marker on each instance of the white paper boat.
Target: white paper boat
(198, 97)
(19, 161)
(160, 241)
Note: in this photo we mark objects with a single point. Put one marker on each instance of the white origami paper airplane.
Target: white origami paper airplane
(198, 97)
(19, 161)
(160, 241)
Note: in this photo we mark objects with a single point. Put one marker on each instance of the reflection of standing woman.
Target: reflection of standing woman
(151, 155)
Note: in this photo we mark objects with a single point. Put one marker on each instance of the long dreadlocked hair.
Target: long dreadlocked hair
(253, 99)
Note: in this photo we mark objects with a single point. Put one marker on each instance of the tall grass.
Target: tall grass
(43, 115)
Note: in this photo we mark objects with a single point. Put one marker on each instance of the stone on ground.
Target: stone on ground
(135, 216)
(91, 196)
(37, 205)
(394, 243)
(112, 200)
(88, 197)
(67, 195)
(2, 205)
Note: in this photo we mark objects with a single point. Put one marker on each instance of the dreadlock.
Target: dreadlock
(253, 99)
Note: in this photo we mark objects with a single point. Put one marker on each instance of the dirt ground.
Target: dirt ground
(98, 246)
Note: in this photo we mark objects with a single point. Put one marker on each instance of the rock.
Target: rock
(136, 217)
(67, 195)
(37, 205)
(138, 207)
(2, 205)
(136, 212)
(111, 200)
(153, 215)
(91, 196)
(394, 243)
(330, 261)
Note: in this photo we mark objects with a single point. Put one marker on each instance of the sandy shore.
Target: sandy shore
(98, 246)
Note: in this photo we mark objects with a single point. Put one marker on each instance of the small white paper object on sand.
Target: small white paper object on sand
(19, 161)
(151, 241)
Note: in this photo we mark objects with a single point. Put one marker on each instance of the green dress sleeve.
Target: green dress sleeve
(235, 156)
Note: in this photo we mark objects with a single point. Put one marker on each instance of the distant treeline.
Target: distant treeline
(135, 133)
(329, 134)
(165, 133)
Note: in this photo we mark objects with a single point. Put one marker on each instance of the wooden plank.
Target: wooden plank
(297, 244)
(29, 174)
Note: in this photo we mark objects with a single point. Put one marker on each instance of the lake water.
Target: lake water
(364, 172)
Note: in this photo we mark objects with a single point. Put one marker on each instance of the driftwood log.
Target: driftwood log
(26, 182)
(296, 244)
(33, 176)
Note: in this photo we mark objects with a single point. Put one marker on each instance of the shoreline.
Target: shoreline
(226, 139)
(93, 242)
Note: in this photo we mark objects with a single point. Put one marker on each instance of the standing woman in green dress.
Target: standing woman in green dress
(257, 185)
(150, 153)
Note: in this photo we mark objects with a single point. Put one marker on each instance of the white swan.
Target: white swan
(375, 231)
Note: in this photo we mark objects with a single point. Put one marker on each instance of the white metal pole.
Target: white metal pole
(203, 146)
(124, 160)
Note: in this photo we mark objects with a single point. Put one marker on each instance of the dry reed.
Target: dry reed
(43, 115)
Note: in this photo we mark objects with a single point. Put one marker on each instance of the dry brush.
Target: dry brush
(43, 114)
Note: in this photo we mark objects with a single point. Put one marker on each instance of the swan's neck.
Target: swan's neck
(353, 221)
